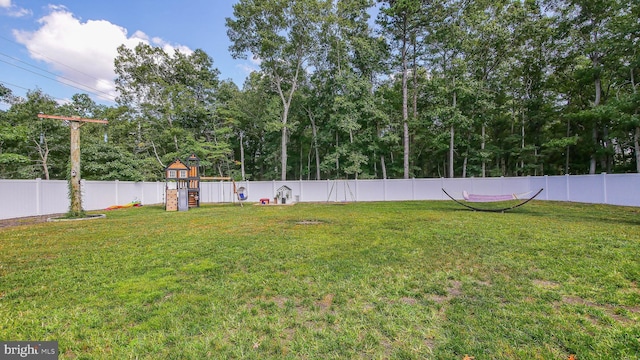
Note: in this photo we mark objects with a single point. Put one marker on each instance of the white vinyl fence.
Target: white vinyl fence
(21, 198)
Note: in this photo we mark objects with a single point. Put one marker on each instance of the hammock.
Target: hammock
(494, 198)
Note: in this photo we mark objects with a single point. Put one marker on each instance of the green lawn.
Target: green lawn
(404, 280)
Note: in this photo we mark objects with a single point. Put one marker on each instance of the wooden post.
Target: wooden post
(74, 124)
(76, 198)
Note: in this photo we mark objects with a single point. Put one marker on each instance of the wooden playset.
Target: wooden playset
(182, 189)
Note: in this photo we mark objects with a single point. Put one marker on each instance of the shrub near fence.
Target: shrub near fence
(21, 198)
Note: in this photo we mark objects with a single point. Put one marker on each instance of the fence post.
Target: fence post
(604, 187)
(356, 189)
(384, 189)
(140, 187)
(568, 188)
(546, 187)
(116, 185)
(413, 188)
(300, 194)
(38, 196)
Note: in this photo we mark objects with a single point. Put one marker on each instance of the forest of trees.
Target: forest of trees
(429, 88)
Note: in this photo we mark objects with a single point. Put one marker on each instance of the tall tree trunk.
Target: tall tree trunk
(594, 132)
(535, 156)
(452, 135)
(482, 146)
(286, 105)
(283, 144)
(309, 162)
(242, 155)
(44, 155)
(405, 110)
(566, 158)
(636, 144)
(464, 166)
(636, 137)
(606, 163)
(337, 157)
(415, 80)
(139, 138)
(314, 131)
(383, 166)
(593, 161)
(522, 145)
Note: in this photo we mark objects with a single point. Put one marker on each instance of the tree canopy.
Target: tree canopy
(423, 89)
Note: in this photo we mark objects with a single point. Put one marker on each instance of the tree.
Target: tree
(400, 20)
(339, 98)
(33, 147)
(586, 23)
(282, 35)
(171, 99)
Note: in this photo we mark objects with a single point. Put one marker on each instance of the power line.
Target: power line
(84, 87)
(14, 85)
(50, 59)
(44, 76)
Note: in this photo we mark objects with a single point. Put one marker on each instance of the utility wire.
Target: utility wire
(50, 59)
(14, 85)
(83, 88)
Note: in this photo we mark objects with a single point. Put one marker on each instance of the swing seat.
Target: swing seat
(241, 192)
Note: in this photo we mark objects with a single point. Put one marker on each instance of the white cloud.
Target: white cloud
(251, 66)
(13, 10)
(82, 52)
(169, 48)
(246, 68)
(255, 59)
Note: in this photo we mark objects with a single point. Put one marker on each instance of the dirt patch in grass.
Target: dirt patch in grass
(309, 222)
(454, 290)
(610, 310)
(30, 220)
(545, 284)
(408, 301)
(326, 301)
(280, 301)
(368, 307)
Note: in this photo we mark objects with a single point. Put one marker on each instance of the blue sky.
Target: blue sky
(44, 44)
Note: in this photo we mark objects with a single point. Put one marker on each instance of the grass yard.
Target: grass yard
(404, 280)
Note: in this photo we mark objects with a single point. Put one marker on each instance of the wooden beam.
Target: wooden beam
(72, 118)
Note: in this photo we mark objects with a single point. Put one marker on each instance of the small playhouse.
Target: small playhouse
(283, 195)
(182, 190)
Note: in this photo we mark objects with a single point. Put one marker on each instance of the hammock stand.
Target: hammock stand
(492, 198)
